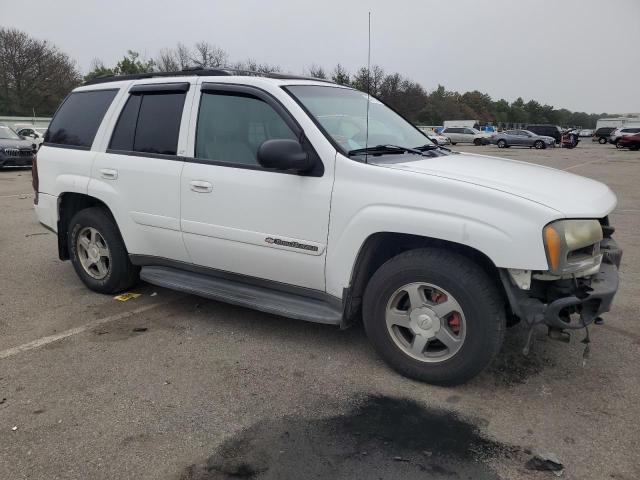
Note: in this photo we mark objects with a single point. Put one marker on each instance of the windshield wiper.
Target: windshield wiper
(430, 146)
(382, 149)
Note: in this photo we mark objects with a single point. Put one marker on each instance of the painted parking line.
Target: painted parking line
(581, 165)
(10, 352)
(23, 195)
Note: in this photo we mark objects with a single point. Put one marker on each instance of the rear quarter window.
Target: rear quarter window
(77, 120)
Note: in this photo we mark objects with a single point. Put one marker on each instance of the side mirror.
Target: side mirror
(284, 154)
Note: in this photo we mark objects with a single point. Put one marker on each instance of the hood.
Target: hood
(572, 195)
(13, 143)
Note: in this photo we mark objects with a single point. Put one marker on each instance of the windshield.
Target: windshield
(7, 133)
(342, 112)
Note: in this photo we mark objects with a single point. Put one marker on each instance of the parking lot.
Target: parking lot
(171, 386)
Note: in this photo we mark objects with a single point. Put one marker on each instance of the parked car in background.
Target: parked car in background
(522, 138)
(632, 142)
(15, 151)
(437, 138)
(601, 134)
(618, 133)
(586, 132)
(546, 130)
(466, 135)
(34, 133)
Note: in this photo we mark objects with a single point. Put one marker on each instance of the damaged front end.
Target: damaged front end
(579, 285)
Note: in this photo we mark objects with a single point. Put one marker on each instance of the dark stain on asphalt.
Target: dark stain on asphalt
(382, 437)
(511, 367)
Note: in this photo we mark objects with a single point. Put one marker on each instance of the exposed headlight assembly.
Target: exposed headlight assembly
(572, 246)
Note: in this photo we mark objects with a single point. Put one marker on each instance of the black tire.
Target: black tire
(617, 144)
(502, 143)
(476, 293)
(477, 142)
(122, 274)
(602, 141)
(453, 143)
(539, 145)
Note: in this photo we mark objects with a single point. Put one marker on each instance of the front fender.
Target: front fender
(504, 227)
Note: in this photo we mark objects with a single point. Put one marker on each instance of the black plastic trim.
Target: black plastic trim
(160, 156)
(160, 87)
(202, 72)
(153, 261)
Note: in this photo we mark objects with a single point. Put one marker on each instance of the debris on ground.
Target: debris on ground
(139, 329)
(2, 400)
(546, 462)
(126, 296)
(14, 428)
(154, 294)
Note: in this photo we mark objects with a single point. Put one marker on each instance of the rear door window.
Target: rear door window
(76, 122)
(149, 123)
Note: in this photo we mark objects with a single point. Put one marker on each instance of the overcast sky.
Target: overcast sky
(578, 54)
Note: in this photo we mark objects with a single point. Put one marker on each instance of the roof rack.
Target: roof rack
(202, 72)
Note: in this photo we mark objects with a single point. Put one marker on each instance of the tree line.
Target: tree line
(35, 76)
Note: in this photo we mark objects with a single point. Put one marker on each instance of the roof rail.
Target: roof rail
(202, 72)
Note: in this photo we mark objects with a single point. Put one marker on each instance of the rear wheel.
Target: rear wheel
(502, 144)
(618, 144)
(434, 315)
(602, 141)
(477, 142)
(98, 253)
(539, 144)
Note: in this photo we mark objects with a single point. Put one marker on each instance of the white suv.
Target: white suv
(271, 192)
(466, 135)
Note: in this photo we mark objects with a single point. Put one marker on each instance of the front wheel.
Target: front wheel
(434, 315)
(502, 144)
(539, 144)
(618, 144)
(98, 253)
(477, 142)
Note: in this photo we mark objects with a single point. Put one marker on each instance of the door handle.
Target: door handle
(109, 174)
(200, 186)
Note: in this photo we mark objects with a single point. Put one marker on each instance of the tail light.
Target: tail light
(35, 181)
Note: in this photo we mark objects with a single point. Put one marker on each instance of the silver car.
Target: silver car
(522, 138)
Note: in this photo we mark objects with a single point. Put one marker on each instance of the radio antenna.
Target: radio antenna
(366, 141)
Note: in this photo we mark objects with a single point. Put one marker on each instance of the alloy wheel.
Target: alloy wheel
(93, 253)
(426, 322)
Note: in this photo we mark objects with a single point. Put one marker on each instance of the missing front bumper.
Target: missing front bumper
(568, 304)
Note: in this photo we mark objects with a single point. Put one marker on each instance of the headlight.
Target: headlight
(572, 245)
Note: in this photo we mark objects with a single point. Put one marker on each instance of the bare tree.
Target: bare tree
(251, 65)
(205, 55)
(317, 71)
(34, 75)
(166, 61)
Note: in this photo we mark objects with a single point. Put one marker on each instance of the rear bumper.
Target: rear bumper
(569, 304)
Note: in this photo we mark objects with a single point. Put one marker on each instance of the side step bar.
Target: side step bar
(245, 295)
